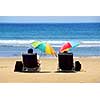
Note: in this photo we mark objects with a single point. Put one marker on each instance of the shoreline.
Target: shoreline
(53, 57)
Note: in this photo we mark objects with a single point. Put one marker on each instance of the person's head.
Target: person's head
(65, 51)
(30, 50)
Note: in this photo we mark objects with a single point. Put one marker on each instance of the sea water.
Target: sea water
(16, 38)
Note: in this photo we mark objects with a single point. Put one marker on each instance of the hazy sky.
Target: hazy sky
(48, 19)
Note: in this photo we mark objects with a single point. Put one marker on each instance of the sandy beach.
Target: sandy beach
(90, 72)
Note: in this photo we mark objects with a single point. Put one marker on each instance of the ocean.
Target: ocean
(16, 38)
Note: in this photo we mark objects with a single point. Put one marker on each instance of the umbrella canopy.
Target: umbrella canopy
(44, 47)
(67, 46)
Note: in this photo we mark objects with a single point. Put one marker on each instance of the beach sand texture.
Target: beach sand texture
(90, 72)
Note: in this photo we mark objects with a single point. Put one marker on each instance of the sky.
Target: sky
(49, 19)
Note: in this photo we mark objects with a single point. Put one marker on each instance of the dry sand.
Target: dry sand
(90, 72)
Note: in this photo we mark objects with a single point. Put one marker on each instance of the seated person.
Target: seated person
(65, 52)
(38, 58)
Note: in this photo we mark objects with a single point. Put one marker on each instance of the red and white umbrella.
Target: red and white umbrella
(67, 46)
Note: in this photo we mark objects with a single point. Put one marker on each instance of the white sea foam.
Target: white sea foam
(90, 41)
(54, 43)
(89, 44)
(8, 42)
(23, 42)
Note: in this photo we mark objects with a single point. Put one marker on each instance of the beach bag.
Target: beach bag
(77, 66)
(18, 66)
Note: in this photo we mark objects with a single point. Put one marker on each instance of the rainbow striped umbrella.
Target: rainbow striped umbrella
(68, 45)
(44, 47)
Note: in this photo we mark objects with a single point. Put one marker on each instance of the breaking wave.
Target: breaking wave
(54, 43)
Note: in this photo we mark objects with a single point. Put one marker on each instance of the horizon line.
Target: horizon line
(44, 22)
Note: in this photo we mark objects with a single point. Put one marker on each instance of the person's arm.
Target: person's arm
(38, 59)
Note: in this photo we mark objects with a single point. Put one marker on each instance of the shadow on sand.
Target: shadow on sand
(70, 71)
(35, 72)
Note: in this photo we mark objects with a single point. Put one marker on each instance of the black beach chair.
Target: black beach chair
(30, 62)
(65, 62)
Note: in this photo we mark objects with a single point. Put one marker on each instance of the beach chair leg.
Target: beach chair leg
(58, 69)
(38, 69)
